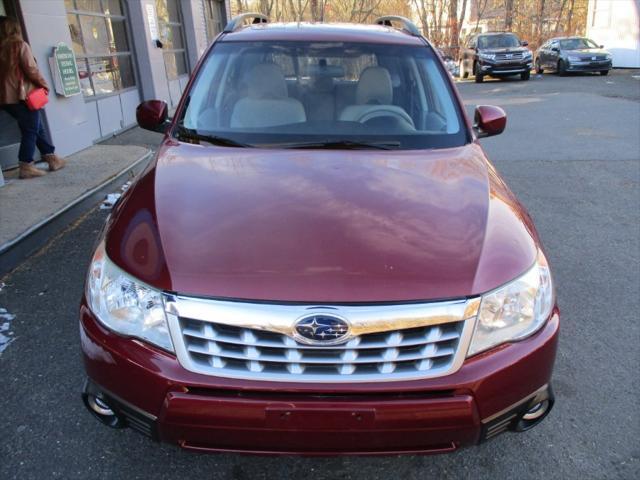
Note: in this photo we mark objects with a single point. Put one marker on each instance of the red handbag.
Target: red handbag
(36, 98)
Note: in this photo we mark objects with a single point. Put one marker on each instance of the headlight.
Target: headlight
(573, 58)
(608, 56)
(125, 305)
(487, 56)
(515, 310)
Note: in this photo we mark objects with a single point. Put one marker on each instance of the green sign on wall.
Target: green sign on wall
(64, 62)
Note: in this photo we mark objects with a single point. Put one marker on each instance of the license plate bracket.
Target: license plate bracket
(310, 418)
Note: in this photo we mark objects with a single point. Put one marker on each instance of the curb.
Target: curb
(14, 252)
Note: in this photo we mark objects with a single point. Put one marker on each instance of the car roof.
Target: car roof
(322, 32)
(486, 34)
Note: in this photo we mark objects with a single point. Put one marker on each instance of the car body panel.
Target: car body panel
(321, 226)
(470, 56)
(548, 58)
(208, 413)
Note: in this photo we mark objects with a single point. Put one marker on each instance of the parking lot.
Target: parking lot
(571, 153)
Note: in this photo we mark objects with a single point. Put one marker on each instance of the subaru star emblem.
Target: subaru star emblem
(321, 328)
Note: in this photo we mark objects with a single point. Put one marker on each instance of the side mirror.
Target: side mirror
(601, 46)
(524, 43)
(489, 121)
(153, 115)
(555, 49)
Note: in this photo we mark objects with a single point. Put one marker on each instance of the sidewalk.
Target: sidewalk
(33, 211)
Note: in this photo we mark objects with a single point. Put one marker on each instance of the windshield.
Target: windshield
(506, 40)
(577, 44)
(292, 94)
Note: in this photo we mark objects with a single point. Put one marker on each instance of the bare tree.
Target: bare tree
(508, 14)
(541, 4)
(315, 12)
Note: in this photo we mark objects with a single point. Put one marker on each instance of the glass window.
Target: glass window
(89, 5)
(102, 75)
(175, 64)
(85, 77)
(577, 44)
(94, 34)
(171, 33)
(112, 7)
(118, 41)
(76, 34)
(100, 41)
(289, 94)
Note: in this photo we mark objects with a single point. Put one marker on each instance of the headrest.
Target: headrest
(374, 87)
(266, 80)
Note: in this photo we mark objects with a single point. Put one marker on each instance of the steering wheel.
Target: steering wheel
(377, 111)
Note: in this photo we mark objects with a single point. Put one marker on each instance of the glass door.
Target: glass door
(173, 46)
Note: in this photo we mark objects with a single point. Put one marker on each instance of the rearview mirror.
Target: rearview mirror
(489, 121)
(153, 115)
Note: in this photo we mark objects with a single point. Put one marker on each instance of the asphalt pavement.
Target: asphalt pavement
(571, 152)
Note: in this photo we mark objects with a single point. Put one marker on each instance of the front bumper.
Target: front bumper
(590, 66)
(488, 67)
(156, 396)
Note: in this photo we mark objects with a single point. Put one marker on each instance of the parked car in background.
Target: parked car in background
(497, 55)
(449, 62)
(321, 259)
(572, 54)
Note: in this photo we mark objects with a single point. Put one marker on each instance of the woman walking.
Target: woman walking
(19, 75)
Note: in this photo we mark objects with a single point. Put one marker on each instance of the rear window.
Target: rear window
(271, 94)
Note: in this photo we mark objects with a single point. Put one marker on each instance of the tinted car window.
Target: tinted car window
(577, 44)
(275, 93)
(498, 41)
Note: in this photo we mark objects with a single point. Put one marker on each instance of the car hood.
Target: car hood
(321, 225)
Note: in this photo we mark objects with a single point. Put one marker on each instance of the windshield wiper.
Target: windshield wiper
(347, 144)
(192, 136)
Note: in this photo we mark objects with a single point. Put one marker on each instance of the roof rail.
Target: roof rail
(236, 22)
(407, 25)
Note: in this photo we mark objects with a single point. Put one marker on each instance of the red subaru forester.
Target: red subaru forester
(320, 259)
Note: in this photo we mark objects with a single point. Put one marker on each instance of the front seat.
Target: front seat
(267, 103)
(374, 99)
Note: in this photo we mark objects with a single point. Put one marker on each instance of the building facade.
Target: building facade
(125, 51)
(616, 25)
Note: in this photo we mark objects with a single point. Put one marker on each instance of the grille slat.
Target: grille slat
(333, 359)
(509, 56)
(244, 352)
(289, 342)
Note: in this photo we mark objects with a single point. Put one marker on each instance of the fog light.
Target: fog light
(537, 411)
(97, 405)
(103, 411)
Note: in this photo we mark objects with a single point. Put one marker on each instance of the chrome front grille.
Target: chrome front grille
(255, 341)
(508, 57)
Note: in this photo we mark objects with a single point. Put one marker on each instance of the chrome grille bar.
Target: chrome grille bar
(509, 56)
(256, 341)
